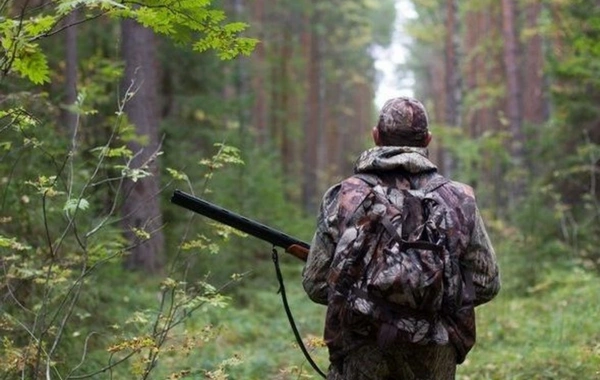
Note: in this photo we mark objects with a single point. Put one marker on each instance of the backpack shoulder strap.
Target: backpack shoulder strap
(370, 179)
(435, 183)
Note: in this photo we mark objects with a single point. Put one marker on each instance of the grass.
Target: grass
(552, 333)
(548, 331)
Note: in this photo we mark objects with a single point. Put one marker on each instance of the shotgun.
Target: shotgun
(277, 238)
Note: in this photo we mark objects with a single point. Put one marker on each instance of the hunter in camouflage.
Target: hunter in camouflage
(434, 346)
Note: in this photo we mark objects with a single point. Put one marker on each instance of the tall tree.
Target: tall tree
(142, 218)
(259, 85)
(575, 92)
(514, 93)
(427, 61)
(535, 100)
(485, 93)
(453, 82)
(312, 124)
(285, 116)
(69, 118)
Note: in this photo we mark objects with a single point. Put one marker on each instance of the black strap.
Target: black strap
(409, 244)
(392, 308)
(370, 179)
(469, 287)
(435, 183)
(288, 312)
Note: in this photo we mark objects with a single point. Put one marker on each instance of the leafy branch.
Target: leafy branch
(184, 22)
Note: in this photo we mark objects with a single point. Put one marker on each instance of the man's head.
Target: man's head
(402, 122)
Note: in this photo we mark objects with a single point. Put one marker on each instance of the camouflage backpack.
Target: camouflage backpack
(392, 265)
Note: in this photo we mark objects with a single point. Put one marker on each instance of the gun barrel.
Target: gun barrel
(239, 222)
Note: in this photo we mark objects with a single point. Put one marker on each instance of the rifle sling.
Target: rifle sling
(288, 312)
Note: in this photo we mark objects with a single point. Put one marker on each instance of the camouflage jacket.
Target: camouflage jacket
(471, 244)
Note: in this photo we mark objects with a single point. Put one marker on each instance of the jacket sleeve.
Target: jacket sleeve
(322, 248)
(480, 258)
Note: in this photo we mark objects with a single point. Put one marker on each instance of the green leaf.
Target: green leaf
(39, 25)
(121, 151)
(33, 65)
(158, 21)
(177, 174)
(64, 7)
(133, 174)
(12, 243)
(75, 204)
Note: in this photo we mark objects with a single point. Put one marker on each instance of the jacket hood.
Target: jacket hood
(391, 158)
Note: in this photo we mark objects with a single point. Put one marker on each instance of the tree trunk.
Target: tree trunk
(285, 113)
(259, 74)
(141, 206)
(513, 103)
(70, 118)
(452, 78)
(312, 121)
(475, 68)
(436, 89)
(535, 103)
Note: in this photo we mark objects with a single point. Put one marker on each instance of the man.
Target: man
(401, 137)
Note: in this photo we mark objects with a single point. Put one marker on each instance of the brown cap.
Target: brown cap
(402, 121)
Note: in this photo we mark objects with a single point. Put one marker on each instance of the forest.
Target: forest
(108, 106)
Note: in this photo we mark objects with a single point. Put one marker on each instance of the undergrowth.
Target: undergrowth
(547, 331)
(550, 333)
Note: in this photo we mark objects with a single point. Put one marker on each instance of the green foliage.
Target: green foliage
(474, 155)
(193, 22)
(258, 193)
(60, 251)
(428, 27)
(264, 352)
(576, 91)
(545, 331)
(550, 333)
(383, 17)
(59, 235)
(353, 33)
(20, 52)
(185, 22)
(565, 152)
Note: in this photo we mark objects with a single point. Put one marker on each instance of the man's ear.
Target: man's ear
(428, 139)
(375, 134)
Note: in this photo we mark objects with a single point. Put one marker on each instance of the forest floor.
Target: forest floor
(547, 331)
(551, 331)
